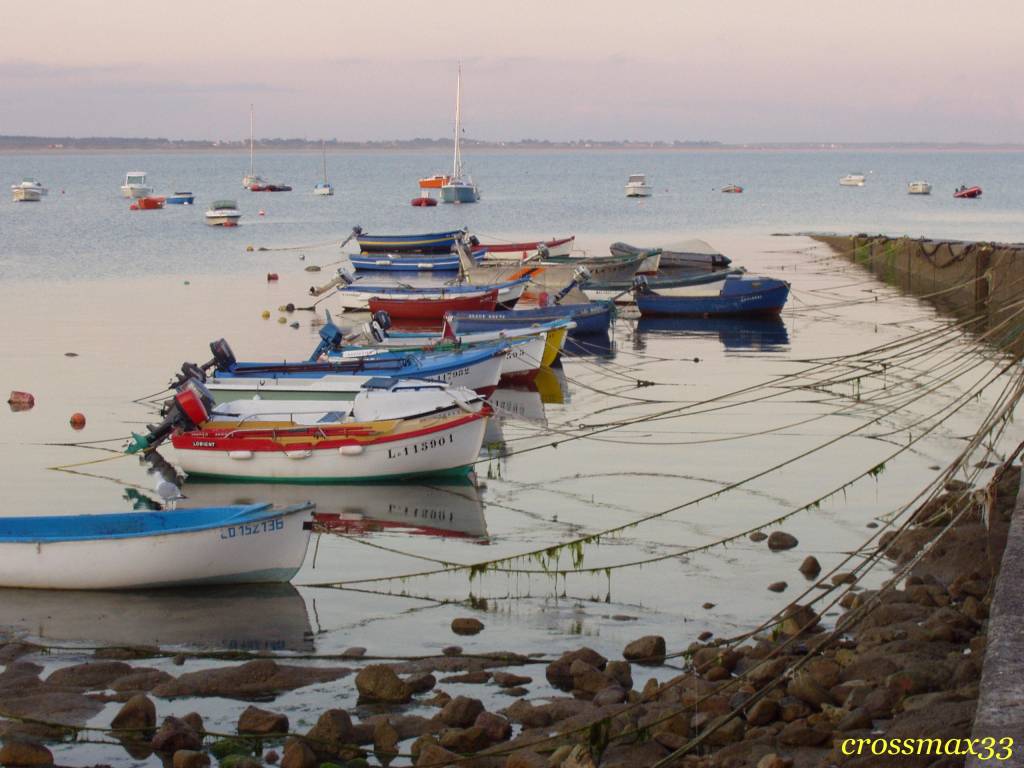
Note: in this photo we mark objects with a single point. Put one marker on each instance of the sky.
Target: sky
(726, 70)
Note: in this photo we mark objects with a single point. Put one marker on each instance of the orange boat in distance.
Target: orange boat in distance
(434, 182)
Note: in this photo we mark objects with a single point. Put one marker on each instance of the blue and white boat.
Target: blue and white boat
(734, 295)
(409, 262)
(428, 242)
(459, 187)
(255, 543)
(180, 198)
(589, 317)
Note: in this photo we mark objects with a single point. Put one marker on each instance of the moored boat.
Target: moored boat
(919, 188)
(356, 295)
(852, 180)
(621, 290)
(430, 242)
(135, 185)
(637, 186)
(223, 213)
(965, 192)
(688, 254)
(148, 203)
(28, 191)
(406, 262)
(419, 308)
(590, 317)
(181, 198)
(251, 181)
(436, 181)
(141, 550)
(734, 295)
(519, 252)
(732, 189)
(324, 188)
(459, 187)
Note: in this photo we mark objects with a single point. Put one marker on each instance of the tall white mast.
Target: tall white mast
(457, 164)
(323, 147)
(252, 167)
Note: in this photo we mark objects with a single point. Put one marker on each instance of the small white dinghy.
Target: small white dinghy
(140, 550)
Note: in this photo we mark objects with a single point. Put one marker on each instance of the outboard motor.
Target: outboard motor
(223, 360)
(379, 325)
(542, 251)
(580, 276)
(640, 284)
(345, 276)
(474, 241)
(331, 337)
(189, 408)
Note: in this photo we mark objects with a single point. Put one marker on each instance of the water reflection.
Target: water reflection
(449, 509)
(590, 345)
(261, 617)
(761, 333)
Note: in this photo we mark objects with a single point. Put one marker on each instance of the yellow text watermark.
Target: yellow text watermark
(988, 748)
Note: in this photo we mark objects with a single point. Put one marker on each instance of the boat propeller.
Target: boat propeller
(189, 408)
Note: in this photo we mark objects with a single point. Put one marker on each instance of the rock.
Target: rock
(477, 677)
(587, 678)
(421, 683)
(525, 758)
(808, 690)
(843, 578)
(468, 626)
(527, 715)
(779, 540)
(224, 747)
(355, 652)
(24, 752)
(190, 758)
(496, 727)
(717, 673)
(649, 649)
(880, 702)
(175, 734)
(797, 619)
(708, 606)
(777, 586)
(613, 694)
(258, 679)
(465, 740)
(271, 758)
(556, 758)
(378, 682)
(297, 754)
(773, 760)
(758, 536)
(332, 736)
(727, 730)
(558, 671)
(91, 676)
(436, 756)
(855, 720)
(621, 672)
(705, 636)
(140, 680)
(261, 722)
(791, 709)
(824, 671)
(194, 721)
(461, 712)
(763, 712)
(137, 714)
(800, 734)
(385, 742)
(509, 680)
(579, 757)
(452, 650)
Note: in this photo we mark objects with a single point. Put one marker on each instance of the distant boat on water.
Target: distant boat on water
(919, 188)
(251, 181)
(28, 191)
(965, 192)
(324, 188)
(181, 198)
(135, 185)
(223, 213)
(459, 187)
(852, 180)
(637, 186)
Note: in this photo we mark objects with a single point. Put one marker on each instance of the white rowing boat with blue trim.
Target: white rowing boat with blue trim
(141, 550)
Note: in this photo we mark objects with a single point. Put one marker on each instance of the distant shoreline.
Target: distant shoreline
(101, 145)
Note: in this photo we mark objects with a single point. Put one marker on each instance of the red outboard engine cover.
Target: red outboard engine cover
(192, 406)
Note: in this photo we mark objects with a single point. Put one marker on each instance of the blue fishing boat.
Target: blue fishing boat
(180, 198)
(431, 242)
(590, 317)
(399, 262)
(735, 295)
(141, 550)
(617, 290)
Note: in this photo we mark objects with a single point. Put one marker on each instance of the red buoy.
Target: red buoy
(271, 277)
(421, 202)
(78, 421)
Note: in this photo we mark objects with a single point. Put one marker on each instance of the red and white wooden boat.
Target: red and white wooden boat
(528, 250)
(968, 192)
(434, 309)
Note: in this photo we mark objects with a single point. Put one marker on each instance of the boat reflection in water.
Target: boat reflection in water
(759, 333)
(452, 508)
(590, 345)
(260, 617)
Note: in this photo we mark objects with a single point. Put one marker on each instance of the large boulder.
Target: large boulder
(260, 679)
(378, 682)
(649, 649)
(261, 722)
(332, 736)
(558, 671)
(24, 752)
(90, 676)
(461, 712)
(137, 714)
(467, 626)
(297, 754)
(779, 540)
(175, 734)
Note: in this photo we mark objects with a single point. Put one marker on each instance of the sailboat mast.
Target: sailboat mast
(323, 147)
(252, 166)
(457, 163)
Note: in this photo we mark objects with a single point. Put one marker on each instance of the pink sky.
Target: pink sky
(775, 70)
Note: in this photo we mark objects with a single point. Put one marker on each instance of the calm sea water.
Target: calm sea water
(84, 228)
(133, 294)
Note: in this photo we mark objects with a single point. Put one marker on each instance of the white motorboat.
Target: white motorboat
(223, 213)
(919, 188)
(852, 180)
(28, 191)
(637, 186)
(135, 185)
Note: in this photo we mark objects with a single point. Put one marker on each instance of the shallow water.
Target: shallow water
(180, 285)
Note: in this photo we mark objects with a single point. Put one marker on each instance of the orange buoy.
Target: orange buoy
(78, 421)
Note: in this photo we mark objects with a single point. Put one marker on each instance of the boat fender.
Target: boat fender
(303, 454)
(350, 450)
(240, 455)
(78, 421)
(21, 400)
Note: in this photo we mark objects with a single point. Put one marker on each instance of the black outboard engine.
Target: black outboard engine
(580, 276)
(379, 324)
(223, 360)
(190, 407)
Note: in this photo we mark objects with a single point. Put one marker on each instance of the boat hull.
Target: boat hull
(518, 252)
(431, 242)
(181, 198)
(968, 194)
(450, 448)
(460, 193)
(135, 190)
(267, 548)
(357, 297)
(738, 296)
(431, 309)
(391, 262)
(593, 317)
(26, 195)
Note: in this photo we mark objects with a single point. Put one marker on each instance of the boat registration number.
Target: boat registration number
(413, 449)
(252, 529)
(452, 375)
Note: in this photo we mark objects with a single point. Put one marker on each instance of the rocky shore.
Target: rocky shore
(910, 667)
